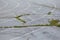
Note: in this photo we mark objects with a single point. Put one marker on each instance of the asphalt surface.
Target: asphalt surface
(38, 10)
(12, 8)
(30, 33)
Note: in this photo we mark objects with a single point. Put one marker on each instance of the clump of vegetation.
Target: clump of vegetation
(18, 18)
(20, 26)
(54, 22)
(5, 27)
(41, 25)
(46, 24)
(49, 13)
(58, 25)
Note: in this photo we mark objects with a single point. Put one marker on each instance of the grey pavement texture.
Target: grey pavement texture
(12, 8)
(38, 10)
(30, 33)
